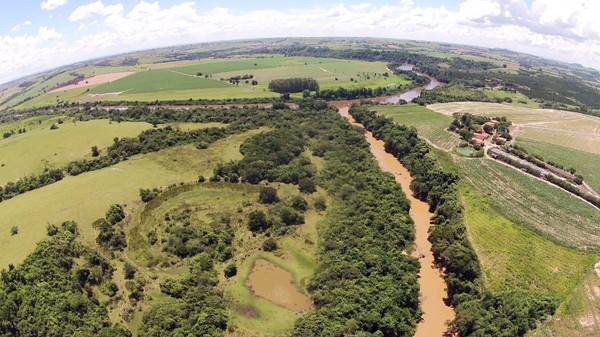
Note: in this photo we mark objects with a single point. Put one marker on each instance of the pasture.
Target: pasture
(543, 208)
(38, 148)
(430, 124)
(86, 197)
(569, 129)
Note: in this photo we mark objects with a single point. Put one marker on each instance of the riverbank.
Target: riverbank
(431, 280)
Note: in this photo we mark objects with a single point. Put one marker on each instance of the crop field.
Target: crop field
(569, 129)
(30, 152)
(179, 80)
(86, 197)
(430, 124)
(586, 163)
(513, 256)
(541, 207)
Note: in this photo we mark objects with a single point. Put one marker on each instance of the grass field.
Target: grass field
(586, 163)
(543, 208)
(569, 129)
(513, 256)
(579, 316)
(430, 124)
(86, 197)
(40, 147)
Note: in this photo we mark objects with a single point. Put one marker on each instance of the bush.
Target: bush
(306, 185)
(299, 203)
(230, 270)
(129, 271)
(320, 204)
(290, 216)
(269, 245)
(258, 222)
(14, 230)
(267, 195)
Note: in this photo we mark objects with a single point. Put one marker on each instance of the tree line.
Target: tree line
(479, 312)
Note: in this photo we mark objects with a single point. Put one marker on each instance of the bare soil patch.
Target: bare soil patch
(98, 79)
(275, 284)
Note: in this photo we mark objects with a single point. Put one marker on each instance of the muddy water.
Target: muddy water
(431, 281)
(277, 285)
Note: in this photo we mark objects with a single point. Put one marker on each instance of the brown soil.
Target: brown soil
(247, 311)
(98, 79)
(275, 284)
(431, 281)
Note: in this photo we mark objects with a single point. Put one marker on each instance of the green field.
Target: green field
(587, 164)
(514, 257)
(541, 207)
(156, 81)
(178, 80)
(430, 124)
(31, 152)
(86, 197)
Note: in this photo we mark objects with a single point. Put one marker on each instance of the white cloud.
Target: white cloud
(95, 9)
(565, 30)
(17, 27)
(52, 4)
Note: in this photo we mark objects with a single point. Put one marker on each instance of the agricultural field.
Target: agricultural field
(515, 257)
(430, 124)
(563, 128)
(179, 80)
(532, 203)
(587, 164)
(86, 197)
(39, 148)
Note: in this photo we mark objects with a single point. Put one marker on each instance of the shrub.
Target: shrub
(299, 203)
(269, 245)
(14, 230)
(267, 195)
(230, 270)
(306, 185)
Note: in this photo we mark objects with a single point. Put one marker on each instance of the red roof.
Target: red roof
(481, 136)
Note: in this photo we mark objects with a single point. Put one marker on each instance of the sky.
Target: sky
(37, 35)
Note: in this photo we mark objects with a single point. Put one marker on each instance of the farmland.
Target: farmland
(563, 128)
(587, 164)
(86, 197)
(537, 205)
(431, 125)
(180, 80)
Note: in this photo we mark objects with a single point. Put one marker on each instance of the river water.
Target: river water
(431, 281)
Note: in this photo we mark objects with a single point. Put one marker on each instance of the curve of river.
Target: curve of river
(431, 280)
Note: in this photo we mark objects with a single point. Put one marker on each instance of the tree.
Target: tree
(269, 245)
(129, 271)
(306, 185)
(14, 230)
(258, 222)
(299, 203)
(230, 270)
(95, 151)
(267, 195)
(290, 216)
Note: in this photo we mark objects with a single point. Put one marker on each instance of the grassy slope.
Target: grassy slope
(29, 153)
(430, 124)
(535, 204)
(587, 164)
(86, 197)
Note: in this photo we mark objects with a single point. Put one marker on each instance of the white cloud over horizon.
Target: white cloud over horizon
(567, 31)
(52, 4)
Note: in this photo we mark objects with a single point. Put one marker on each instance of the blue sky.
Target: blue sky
(37, 35)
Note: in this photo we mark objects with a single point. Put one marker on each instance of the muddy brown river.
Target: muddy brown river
(431, 281)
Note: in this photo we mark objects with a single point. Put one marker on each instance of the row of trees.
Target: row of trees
(479, 312)
(293, 85)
